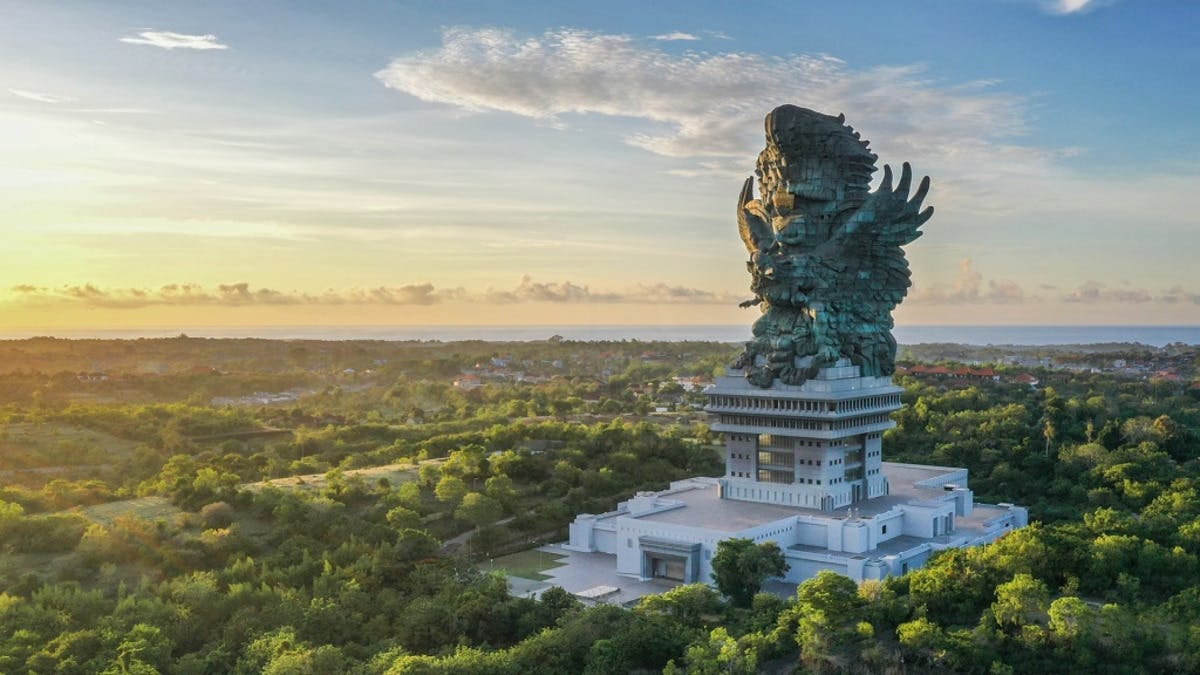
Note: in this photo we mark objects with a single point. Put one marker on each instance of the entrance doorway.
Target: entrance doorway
(663, 567)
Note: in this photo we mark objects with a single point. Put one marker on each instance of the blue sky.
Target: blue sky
(469, 162)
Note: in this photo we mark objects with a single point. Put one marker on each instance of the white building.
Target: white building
(803, 468)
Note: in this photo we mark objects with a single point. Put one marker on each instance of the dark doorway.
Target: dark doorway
(668, 568)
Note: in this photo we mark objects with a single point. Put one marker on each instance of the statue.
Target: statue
(825, 262)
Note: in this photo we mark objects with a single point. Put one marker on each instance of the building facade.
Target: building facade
(803, 468)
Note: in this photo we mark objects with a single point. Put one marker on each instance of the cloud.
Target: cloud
(1098, 292)
(675, 36)
(242, 294)
(703, 105)
(40, 97)
(1074, 6)
(528, 290)
(170, 40)
(969, 288)
(1179, 294)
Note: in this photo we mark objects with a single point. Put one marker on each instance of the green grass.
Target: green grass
(147, 508)
(30, 446)
(525, 564)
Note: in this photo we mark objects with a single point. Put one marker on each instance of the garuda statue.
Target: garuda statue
(825, 259)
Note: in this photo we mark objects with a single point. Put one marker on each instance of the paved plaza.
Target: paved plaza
(580, 572)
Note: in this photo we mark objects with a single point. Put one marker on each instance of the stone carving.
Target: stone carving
(825, 258)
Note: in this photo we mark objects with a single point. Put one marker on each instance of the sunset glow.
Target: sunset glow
(238, 165)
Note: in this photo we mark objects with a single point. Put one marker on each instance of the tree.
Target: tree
(450, 489)
(403, 518)
(1020, 602)
(830, 629)
(501, 489)
(720, 655)
(693, 605)
(740, 567)
(478, 509)
(217, 514)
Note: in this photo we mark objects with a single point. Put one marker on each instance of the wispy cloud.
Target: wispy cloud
(243, 294)
(229, 295)
(969, 287)
(1074, 6)
(675, 36)
(1091, 291)
(40, 97)
(528, 290)
(700, 105)
(170, 40)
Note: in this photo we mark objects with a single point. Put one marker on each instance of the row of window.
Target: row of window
(784, 478)
(774, 442)
(779, 423)
(772, 403)
(861, 421)
(778, 458)
(773, 476)
(785, 423)
(868, 403)
(755, 403)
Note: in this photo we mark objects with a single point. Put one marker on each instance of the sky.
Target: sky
(232, 163)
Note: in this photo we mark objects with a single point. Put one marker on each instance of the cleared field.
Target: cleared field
(394, 473)
(50, 446)
(525, 564)
(148, 508)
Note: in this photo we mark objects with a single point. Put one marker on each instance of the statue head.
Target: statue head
(812, 162)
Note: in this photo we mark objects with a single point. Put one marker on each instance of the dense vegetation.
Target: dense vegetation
(141, 530)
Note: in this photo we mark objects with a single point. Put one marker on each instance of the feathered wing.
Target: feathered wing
(877, 271)
(753, 224)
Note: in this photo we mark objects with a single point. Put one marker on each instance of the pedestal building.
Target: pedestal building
(816, 445)
(803, 468)
(803, 411)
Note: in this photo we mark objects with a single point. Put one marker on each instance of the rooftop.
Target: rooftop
(703, 508)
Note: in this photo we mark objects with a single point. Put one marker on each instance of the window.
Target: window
(771, 476)
(883, 530)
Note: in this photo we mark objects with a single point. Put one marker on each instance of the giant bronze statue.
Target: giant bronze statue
(825, 259)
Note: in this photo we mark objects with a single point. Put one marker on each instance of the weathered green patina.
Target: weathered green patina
(825, 258)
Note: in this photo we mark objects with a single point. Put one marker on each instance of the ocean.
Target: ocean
(1156, 336)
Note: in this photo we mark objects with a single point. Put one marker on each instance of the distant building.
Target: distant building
(803, 468)
(693, 383)
(1026, 378)
(468, 382)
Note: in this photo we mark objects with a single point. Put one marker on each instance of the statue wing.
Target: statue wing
(876, 270)
(753, 223)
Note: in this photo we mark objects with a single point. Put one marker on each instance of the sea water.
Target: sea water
(1156, 336)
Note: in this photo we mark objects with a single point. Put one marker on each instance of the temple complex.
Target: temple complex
(803, 410)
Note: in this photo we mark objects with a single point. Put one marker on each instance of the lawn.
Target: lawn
(148, 508)
(525, 564)
(51, 446)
